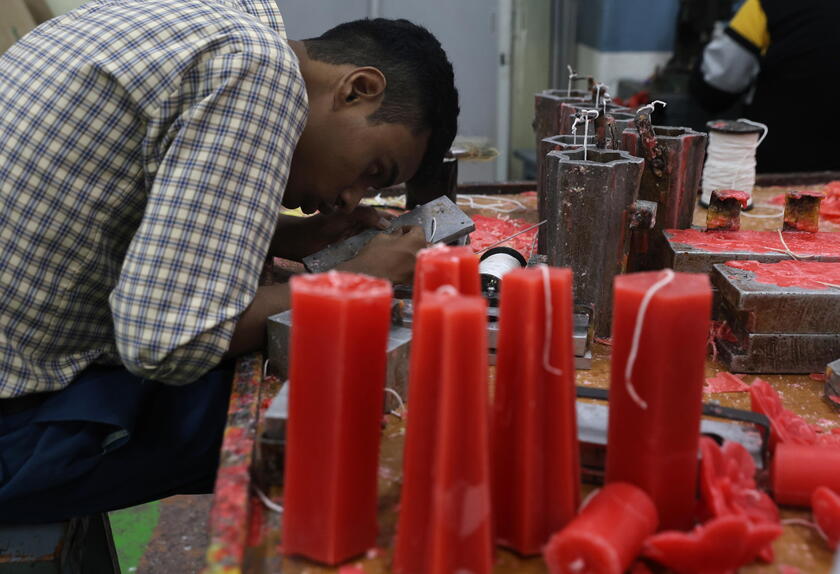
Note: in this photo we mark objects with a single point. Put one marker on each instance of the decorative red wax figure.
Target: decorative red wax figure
(796, 471)
(720, 546)
(728, 487)
(445, 515)
(536, 467)
(441, 265)
(606, 536)
(660, 325)
(825, 504)
(337, 376)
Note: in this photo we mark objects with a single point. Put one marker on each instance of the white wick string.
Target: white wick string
(587, 115)
(549, 313)
(651, 106)
(498, 206)
(763, 215)
(588, 498)
(270, 504)
(399, 400)
(434, 230)
(637, 335)
(832, 285)
(730, 160)
(572, 76)
(447, 290)
(265, 369)
(803, 522)
(598, 87)
(787, 249)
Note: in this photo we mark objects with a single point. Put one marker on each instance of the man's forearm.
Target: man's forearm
(294, 238)
(250, 331)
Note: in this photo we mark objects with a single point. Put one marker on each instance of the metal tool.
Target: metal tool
(442, 220)
(749, 429)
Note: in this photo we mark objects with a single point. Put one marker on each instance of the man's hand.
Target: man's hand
(297, 237)
(389, 255)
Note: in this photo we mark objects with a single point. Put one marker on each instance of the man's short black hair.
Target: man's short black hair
(420, 90)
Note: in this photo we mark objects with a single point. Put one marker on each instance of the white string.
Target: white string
(763, 215)
(586, 115)
(588, 498)
(509, 237)
(787, 249)
(637, 335)
(803, 522)
(434, 230)
(533, 245)
(399, 400)
(270, 504)
(832, 285)
(730, 161)
(549, 312)
(265, 369)
(651, 106)
(498, 206)
(447, 290)
(598, 87)
(572, 76)
(574, 130)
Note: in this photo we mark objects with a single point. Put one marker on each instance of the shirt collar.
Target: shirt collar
(267, 12)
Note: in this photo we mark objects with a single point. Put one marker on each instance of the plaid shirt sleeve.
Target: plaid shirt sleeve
(193, 264)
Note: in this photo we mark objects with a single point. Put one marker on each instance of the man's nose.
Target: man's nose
(351, 197)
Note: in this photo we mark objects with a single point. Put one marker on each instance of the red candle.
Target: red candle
(337, 374)
(606, 536)
(798, 470)
(445, 517)
(536, 467)
(440, 265)
(660, 326)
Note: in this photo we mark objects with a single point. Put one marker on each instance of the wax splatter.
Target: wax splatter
(490, 230)
(725, 383)
(803, 274)
(821, 243)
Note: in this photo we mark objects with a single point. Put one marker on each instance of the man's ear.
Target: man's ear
(362, 86)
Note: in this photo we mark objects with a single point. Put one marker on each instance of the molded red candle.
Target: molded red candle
(654, 424)
(445, 516)
(440, 265)
(825, 504)
(798, 470)
(536, 466)
(606, 536)
(337, 374)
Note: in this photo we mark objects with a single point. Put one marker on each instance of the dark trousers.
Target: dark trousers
(108, 441)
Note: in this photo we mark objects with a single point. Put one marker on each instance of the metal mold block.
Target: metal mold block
(398, 352)
(832, 384)
(765, 308)
(450, 225)
(779, 353)
(589, 204)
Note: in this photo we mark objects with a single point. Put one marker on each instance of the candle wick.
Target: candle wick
(399, 400)
(637, 335)
(549, 312)
(578, 565)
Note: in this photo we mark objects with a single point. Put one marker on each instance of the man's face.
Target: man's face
(341, 155)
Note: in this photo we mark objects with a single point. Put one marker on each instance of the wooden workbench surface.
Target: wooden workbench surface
(799, 546)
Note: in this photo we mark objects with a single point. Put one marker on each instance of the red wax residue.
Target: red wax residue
(820, 243)
(725, 383)
(721, 545)
(785, 426)
(825, 504)
(741, 196)
(728, 487)
(790, 273)
(490, 230)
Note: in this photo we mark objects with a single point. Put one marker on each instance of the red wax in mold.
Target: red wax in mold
(536, 467)
(337, 376)
(790, 273)
(821, 243)
(656, 448)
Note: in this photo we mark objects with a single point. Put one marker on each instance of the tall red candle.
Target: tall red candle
(337, 374)
(445, 516)
(654, 423)
(606, 536)
(797, 470)
(536, 466)
(441, 265)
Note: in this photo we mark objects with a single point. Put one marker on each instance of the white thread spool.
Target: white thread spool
(496, 263)
(730, 157)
